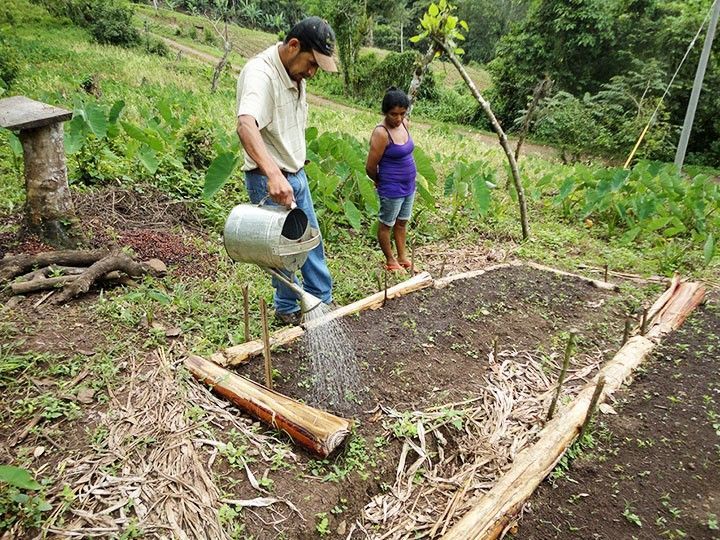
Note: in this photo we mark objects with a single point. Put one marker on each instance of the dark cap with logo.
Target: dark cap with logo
(316, 34)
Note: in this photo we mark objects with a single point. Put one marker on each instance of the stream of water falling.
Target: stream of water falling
(336, 378)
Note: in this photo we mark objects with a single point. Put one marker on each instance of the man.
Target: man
(272, 117)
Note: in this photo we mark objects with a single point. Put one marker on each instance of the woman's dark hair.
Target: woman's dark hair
(394, 98)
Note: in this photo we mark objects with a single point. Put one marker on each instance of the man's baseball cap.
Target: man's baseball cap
(316, 33)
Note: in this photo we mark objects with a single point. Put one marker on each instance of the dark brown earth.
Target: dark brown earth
(655, 469)
(431, 348)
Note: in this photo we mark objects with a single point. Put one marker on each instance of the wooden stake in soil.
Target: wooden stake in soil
(266, 344)
(563, 371)
(644, 322)
(442, 266)
(605, 275)
(496, 347)
(593, 405)
(246, 311)
(385, 274)
(626, 332)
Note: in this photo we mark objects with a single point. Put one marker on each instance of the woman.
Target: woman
(391, 166)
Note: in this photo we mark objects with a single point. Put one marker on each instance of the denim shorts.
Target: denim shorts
(394, 209)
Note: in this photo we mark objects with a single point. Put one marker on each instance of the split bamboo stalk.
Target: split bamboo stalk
(593, 282)
(494, 510)
(240, 353)
(445, 281)
(318, 431)
(266, 343)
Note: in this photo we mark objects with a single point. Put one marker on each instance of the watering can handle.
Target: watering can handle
(293, 204)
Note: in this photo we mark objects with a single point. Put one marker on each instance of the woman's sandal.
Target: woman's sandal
(393, 267)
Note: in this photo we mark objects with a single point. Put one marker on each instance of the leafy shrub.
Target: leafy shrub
(571, 124)
(386, 36)
(10, 63)
(374, 76)
(109, 21)
(196, 144)
(156, 46)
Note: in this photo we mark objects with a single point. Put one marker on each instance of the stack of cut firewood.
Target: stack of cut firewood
(73, 271)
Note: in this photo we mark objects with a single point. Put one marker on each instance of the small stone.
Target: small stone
(157, 265)
(341, 528)
(157, 326)
(39, 451)
(175, 331)
(607, 409)
(86, 395)
(86, 352)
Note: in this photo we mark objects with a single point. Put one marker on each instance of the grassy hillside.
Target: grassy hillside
(59, 57)
(198, 32)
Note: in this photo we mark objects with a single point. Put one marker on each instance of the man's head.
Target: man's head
(309, 44)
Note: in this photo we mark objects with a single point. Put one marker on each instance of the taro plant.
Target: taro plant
(470, 181)
(342, 192)
(648, 202)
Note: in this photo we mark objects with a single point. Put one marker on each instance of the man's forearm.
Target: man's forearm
(255, 147)
(278, 187)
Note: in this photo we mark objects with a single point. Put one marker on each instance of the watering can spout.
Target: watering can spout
(308, 302)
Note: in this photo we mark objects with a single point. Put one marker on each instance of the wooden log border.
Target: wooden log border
(496, 509)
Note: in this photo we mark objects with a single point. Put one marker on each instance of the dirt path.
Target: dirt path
(655, 469)
(321, 101)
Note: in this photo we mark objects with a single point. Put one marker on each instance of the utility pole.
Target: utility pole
(697, 86)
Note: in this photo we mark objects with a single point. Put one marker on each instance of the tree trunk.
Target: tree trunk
(541, 90)
(419, 74)
(501, 136)
(49, 211)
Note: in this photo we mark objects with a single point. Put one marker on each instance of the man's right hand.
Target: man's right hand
(280, 189)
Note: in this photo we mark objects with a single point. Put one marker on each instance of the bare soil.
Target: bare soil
(431, 348)
(655, 471)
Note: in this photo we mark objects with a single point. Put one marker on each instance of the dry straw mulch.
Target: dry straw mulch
(153, 469)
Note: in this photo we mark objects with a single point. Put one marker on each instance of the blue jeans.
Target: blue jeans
(315, 273)
(392, 209)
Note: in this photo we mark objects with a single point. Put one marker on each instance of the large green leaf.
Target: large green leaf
(17, 477)
(709, 248)
(565, 189)
(353, 215)
(425, 194)
(219, 172)
(368, 194)
(115, 111)
(424, 166)
(95, 118)
(311, 134)
(144, 136)
(149, 159)
(74, 134)
(481, 195)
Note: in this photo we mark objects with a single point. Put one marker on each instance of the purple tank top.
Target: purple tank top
(396, 170)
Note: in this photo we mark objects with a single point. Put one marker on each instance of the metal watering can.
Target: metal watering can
(275, 239)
